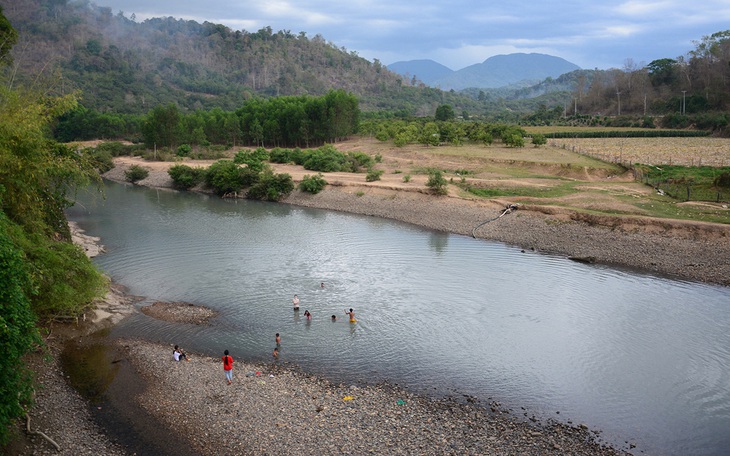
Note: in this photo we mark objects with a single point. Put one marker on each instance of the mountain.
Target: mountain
(426, 71)
(497, 71)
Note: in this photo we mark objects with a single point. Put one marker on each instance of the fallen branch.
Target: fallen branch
(27, 428)
(507, 210)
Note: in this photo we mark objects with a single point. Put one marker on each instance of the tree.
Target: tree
(8, 38)
(161, 127)
(444, 112)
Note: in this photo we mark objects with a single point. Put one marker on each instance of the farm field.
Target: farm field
(699, 151)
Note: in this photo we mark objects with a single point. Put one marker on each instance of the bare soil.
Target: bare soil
(604, 216)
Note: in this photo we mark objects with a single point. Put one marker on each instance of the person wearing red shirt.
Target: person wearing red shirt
(228, 366)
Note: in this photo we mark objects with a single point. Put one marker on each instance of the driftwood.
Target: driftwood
(29, 431)
(507, 210)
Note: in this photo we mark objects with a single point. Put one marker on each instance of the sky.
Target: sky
(458, 33)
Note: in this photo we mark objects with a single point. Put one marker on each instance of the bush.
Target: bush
(538, 140)
(271, 187)
(224, 177)
(100, 159)
(513, 140)
(407, 178)
(312, 184)
(252, 159)
(184, 177)
(184, 150)
(136, 173)
(373, 175)
(325, 159)
(437, 183)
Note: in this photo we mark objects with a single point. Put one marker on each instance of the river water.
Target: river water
(644, 359)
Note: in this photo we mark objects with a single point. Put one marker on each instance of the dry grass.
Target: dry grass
(653, 151)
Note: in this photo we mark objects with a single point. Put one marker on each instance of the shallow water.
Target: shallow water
(645, 359)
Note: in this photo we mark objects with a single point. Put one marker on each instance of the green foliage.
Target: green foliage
(162, 126)
(225, 176)
(437, 183)
(271, 187)
(688, 183)
(100, 159)
(183, 150)
(136, 173)
(538, 140)
(185, 177)
(254, 160)
(444, 113)
(65, 279)
(18, 334)
(325, 159)
(373, 175)
(513, 140)
(407, 178)
(312, 184)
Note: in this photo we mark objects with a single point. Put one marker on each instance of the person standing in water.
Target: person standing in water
(351, 314)
(295, 301)
(278, 340)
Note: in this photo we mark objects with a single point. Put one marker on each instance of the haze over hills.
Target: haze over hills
(497, 71)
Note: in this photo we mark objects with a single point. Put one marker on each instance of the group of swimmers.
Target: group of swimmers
(295, 303)
(227, 359)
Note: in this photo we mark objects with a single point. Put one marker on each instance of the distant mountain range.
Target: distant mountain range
(497, 71)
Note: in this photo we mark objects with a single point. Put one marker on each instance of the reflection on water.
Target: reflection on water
(643, 358)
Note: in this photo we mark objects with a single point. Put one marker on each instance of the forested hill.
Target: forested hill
(125, 66)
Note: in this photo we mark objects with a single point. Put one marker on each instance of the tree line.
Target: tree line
(289, 121)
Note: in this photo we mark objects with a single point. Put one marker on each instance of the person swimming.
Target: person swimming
(334, 317)
(295, 302)
(308, 315)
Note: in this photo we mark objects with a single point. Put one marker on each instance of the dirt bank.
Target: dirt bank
(680, 249)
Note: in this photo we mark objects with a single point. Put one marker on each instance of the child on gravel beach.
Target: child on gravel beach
(228, 366)
(179, 355)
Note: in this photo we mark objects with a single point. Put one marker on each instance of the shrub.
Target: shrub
(271, 187)
(373, 175)
(312, 184)
(538, 140)
(100, 159)
(325, 159)
(279, 155)
(513, 140)
(252, 159)
(407, 178)
(184, 177)
(136, 173)
(184, 150)
(224, 176)
(437, 183)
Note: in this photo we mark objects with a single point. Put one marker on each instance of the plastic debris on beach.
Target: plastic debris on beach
(348, 398)
(400, 402)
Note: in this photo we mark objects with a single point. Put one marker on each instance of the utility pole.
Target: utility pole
(683, 98)
(618, 94)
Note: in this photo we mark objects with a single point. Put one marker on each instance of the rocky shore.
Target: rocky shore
(679, 249)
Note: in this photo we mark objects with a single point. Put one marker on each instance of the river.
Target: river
(644, 359)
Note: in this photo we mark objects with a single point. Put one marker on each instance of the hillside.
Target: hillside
(125, 66)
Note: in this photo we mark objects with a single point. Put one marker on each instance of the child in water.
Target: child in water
(276, 352)
(278, 340)
(351, 314)
(308, 315)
